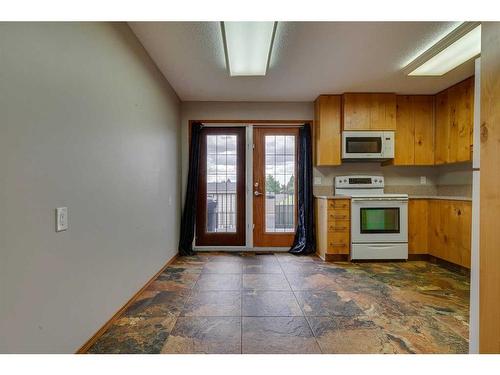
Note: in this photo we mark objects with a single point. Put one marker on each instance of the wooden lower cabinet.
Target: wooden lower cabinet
(450, 235)
(418, 226)
(441, 228)
(333, 228)
(438, 227)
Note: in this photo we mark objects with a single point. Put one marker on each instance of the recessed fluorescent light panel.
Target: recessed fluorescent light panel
(457, 49)
(248, 46)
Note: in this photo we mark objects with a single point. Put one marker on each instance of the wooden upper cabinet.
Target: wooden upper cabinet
(405, 132)
(356, 112)
(369, 111)
(461, 100)
(442, 129)
(454, 123)
(327, 127)
(414, 130)
(423, 112)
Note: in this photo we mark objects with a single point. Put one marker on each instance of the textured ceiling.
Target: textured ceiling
(309, 58)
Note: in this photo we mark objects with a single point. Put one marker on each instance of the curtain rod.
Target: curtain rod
(253, 126)
(278, 126)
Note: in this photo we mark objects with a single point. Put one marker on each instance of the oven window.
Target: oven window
(364, 145)
(380, 220)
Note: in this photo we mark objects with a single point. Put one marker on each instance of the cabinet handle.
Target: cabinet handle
(332, 244)
(338, 229)
(339, 217)
(333, 205)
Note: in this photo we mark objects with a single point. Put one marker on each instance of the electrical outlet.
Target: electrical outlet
(317, 180)
(61, 219)
(423, 180)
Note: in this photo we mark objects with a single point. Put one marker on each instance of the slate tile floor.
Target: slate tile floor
(242, 303)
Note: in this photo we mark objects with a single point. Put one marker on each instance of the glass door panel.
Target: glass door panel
(221, 198)
(280, 183)
(221, 183)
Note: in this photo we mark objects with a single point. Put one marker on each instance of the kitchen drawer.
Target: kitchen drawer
(340, 226)
(338, 243)
(341, 204)
(338, 236)
(338, 215)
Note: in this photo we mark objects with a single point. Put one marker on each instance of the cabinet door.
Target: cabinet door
(460, 233)
(357, 111)
(461, 104)
(405, 132)
(450, 231)
(436, 228)
(442, 128)
(382, 111)
(423, 118)
(414, 130)
(327, 123)
(376, 111)
(418, 236)
(454, 123)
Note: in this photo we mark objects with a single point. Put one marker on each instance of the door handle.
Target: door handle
(257, 193)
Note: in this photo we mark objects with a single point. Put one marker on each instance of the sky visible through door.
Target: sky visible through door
(280, 183)
(221, 183)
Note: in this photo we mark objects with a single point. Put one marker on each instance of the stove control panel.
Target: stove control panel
(357, 182)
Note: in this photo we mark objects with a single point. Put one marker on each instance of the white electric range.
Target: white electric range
(379, 222)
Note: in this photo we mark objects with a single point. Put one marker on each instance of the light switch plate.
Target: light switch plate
(61, 219)
(423, 180)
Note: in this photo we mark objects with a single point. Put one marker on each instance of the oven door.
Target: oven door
(362, 145)
(379, 220)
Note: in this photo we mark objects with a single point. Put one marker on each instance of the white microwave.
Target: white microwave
(375, 145)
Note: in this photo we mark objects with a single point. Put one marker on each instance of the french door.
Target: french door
(274, 186)
(221, 210)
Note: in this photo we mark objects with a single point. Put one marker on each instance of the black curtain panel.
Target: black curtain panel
(189, 213)
(304, 242)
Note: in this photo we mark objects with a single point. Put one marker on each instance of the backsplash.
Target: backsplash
(323, 190)
(412, 190)
(451, 180)
(455, 190)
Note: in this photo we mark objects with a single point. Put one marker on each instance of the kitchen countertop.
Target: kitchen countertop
(442, 197)
(332, 196)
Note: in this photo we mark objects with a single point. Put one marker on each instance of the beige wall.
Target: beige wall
(87, 122)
